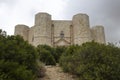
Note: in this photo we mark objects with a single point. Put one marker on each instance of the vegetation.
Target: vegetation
(45, 54)
(17, 59)
(50, 55)
(92, 61)
(58, 51)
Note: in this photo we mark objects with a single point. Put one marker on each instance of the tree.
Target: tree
(92, 61)
(17, 59)
(58, 51)
(45, 54)
(3, 33)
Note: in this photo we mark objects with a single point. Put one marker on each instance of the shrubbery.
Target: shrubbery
(50, 55)
(17, 59)
(58, 52)
(92, 61)
(45, 54)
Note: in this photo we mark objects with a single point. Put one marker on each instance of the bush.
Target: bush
(50, 55)
(14, 71)
(17, 59)
(45, 55)
(58, 52)
(67, 58)
(92, 61)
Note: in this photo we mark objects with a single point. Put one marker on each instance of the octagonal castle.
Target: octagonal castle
(60, 32)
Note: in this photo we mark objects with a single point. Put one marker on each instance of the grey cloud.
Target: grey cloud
(109, 8)
(103, 12)
(112, 9)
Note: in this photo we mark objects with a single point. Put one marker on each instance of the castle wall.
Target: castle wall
(31, 35)
(22, 30)
(61, 25)
(98, 34)
(42, 29)
(81, 28)
(47, 31)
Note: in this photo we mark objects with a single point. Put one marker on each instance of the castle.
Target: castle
(60, 32)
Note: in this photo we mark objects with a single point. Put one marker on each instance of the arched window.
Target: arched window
(61, 34)
(32, 38)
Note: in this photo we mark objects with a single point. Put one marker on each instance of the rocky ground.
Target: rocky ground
(56, 73)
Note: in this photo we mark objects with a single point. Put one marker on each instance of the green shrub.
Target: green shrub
(67, 58)
(17, 59)
(14, 71)
(45, 55)
(92, 61)
(58, 52)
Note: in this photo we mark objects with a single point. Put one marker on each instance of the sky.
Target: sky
(101, 12)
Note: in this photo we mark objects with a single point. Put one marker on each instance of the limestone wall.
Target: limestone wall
(61, 25)
(81, 28)
(22, 30)
(42, 29)
(47, 31)
(98, 34)
(31, 35)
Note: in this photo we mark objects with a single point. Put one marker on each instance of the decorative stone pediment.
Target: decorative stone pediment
(62, 42)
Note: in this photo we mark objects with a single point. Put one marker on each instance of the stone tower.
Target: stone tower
(42, 29)
(82, 32)
(60, 32)
(98, 34)
(22, 30)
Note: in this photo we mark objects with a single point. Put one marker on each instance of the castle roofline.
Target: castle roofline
(22, 25)
(63, 20)
(42, 13)
(80, 14)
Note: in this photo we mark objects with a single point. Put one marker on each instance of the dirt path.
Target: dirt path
(55, 73)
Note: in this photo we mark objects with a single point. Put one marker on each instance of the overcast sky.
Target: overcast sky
(101, 12)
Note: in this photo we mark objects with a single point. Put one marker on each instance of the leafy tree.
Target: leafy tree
(92, 61)
(45, 54)
(3, 33)
(14, 71)
(17, 59)
(58, 52)
(50, 55)
(67, 58)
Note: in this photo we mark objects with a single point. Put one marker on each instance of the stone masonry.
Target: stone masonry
(60, 32)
